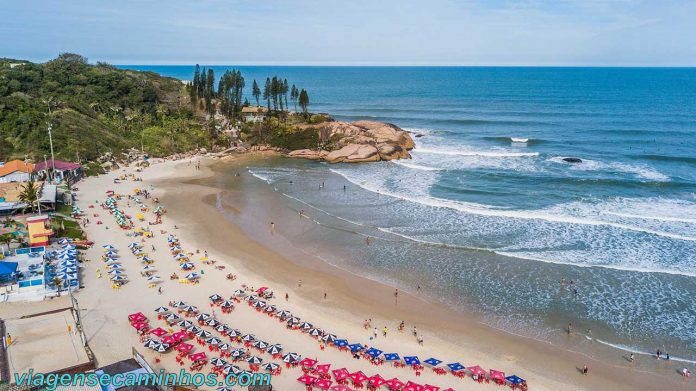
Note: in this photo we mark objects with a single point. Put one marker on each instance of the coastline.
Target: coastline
(191, 198)
(544, 364)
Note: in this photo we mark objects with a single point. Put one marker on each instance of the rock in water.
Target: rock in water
(572, 160)
(360, 141)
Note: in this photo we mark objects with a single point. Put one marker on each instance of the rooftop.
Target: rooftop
(15, 165)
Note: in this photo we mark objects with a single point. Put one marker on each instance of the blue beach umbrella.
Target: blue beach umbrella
(108, 247)
(455, 366)
(356, 347)
(373, 352)
(433, 362)
(514, 379)
(186, 265)
(341, 343)
(411, 360)
(68, 270)
(391, 357)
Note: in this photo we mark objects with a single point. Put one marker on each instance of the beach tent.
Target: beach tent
(411, 386)
(356, 347)
(217, 362)
(291, 358)
(213, 341)
(411, 360)
(455, 367)
(274, 349)
(391, 357)
(270, 366)
(433, 362)
(307, 379)
(254, 360)
(203, 334)
(340, 374)
(373, 352)
(358, 377)
(329, 338)
(198, 356)
(376, 380)
(322, 368)
(260, 345)
(341, 343)
(497, 375)
(394, 384)
(514, 379)
(158, 332)
(185, 323)
(476, 370)
(323, 384)
(184, 347)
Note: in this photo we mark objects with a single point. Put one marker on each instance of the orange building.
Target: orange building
(40, 231)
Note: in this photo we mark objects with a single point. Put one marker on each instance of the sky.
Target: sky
(354, 32)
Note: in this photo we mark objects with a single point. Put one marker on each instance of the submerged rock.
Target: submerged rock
(572, 160)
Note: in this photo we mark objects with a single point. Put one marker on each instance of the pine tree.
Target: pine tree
(285, 93)
(267, 93)
(256, 92)
(304, 101)
(294, 93)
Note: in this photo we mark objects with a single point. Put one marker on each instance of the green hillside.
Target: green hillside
(94, 109)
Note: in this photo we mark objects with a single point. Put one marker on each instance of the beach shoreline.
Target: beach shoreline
(491, 345)
(191, 196)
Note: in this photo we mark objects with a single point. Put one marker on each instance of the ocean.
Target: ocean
(489, 217)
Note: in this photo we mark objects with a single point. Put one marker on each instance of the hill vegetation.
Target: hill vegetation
(93, 109)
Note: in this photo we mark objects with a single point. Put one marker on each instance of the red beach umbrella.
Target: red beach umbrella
(324, 384)
(340, 374)
(411, 386)
(429, 387)
(394, 384)
(341, 387)
(497, 375)
(307, 379)
(158, 331)
(170, 339)
(376, 380)
(198, 356)
(308, 362)
(184, 347)
(476, 370)
(358, 376)
(323, 368)
(137, 317)
(139, 325)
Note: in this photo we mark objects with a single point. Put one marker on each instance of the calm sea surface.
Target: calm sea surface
(488, 216)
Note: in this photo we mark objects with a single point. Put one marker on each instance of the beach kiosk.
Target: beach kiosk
(39, 230)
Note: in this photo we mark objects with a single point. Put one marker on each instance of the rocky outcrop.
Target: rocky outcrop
(360, 141)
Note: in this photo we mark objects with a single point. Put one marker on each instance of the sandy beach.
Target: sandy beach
(328, 297)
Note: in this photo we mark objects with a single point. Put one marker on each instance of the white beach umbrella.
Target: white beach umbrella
(154, 279)
(108, 247)
(192, 276)
(161, 310)
(118, 278)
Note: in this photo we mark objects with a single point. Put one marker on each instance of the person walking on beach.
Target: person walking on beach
(374, 332)
(272, 228)
(384, 331)
(415, 332)
(570, 328)
(286, 296)
(324, 295)
(585, 369)
(159, 290)
(632, 357)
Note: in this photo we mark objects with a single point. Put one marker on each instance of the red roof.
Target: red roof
(60, 165)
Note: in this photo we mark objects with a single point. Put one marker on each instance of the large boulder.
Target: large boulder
(360, 141)
(354, 153)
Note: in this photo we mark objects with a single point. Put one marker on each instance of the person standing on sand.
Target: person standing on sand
(585, 369)
(570, 328)
(299, 284)
(324, 295)
(272, 228)
(159, 290)
(375, 332)
(286, 297)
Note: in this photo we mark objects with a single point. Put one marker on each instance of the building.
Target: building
(64, 171)
(15, 171)
(40, 231)
(254, 113)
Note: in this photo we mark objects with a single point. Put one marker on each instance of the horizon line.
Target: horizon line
(408, 65)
